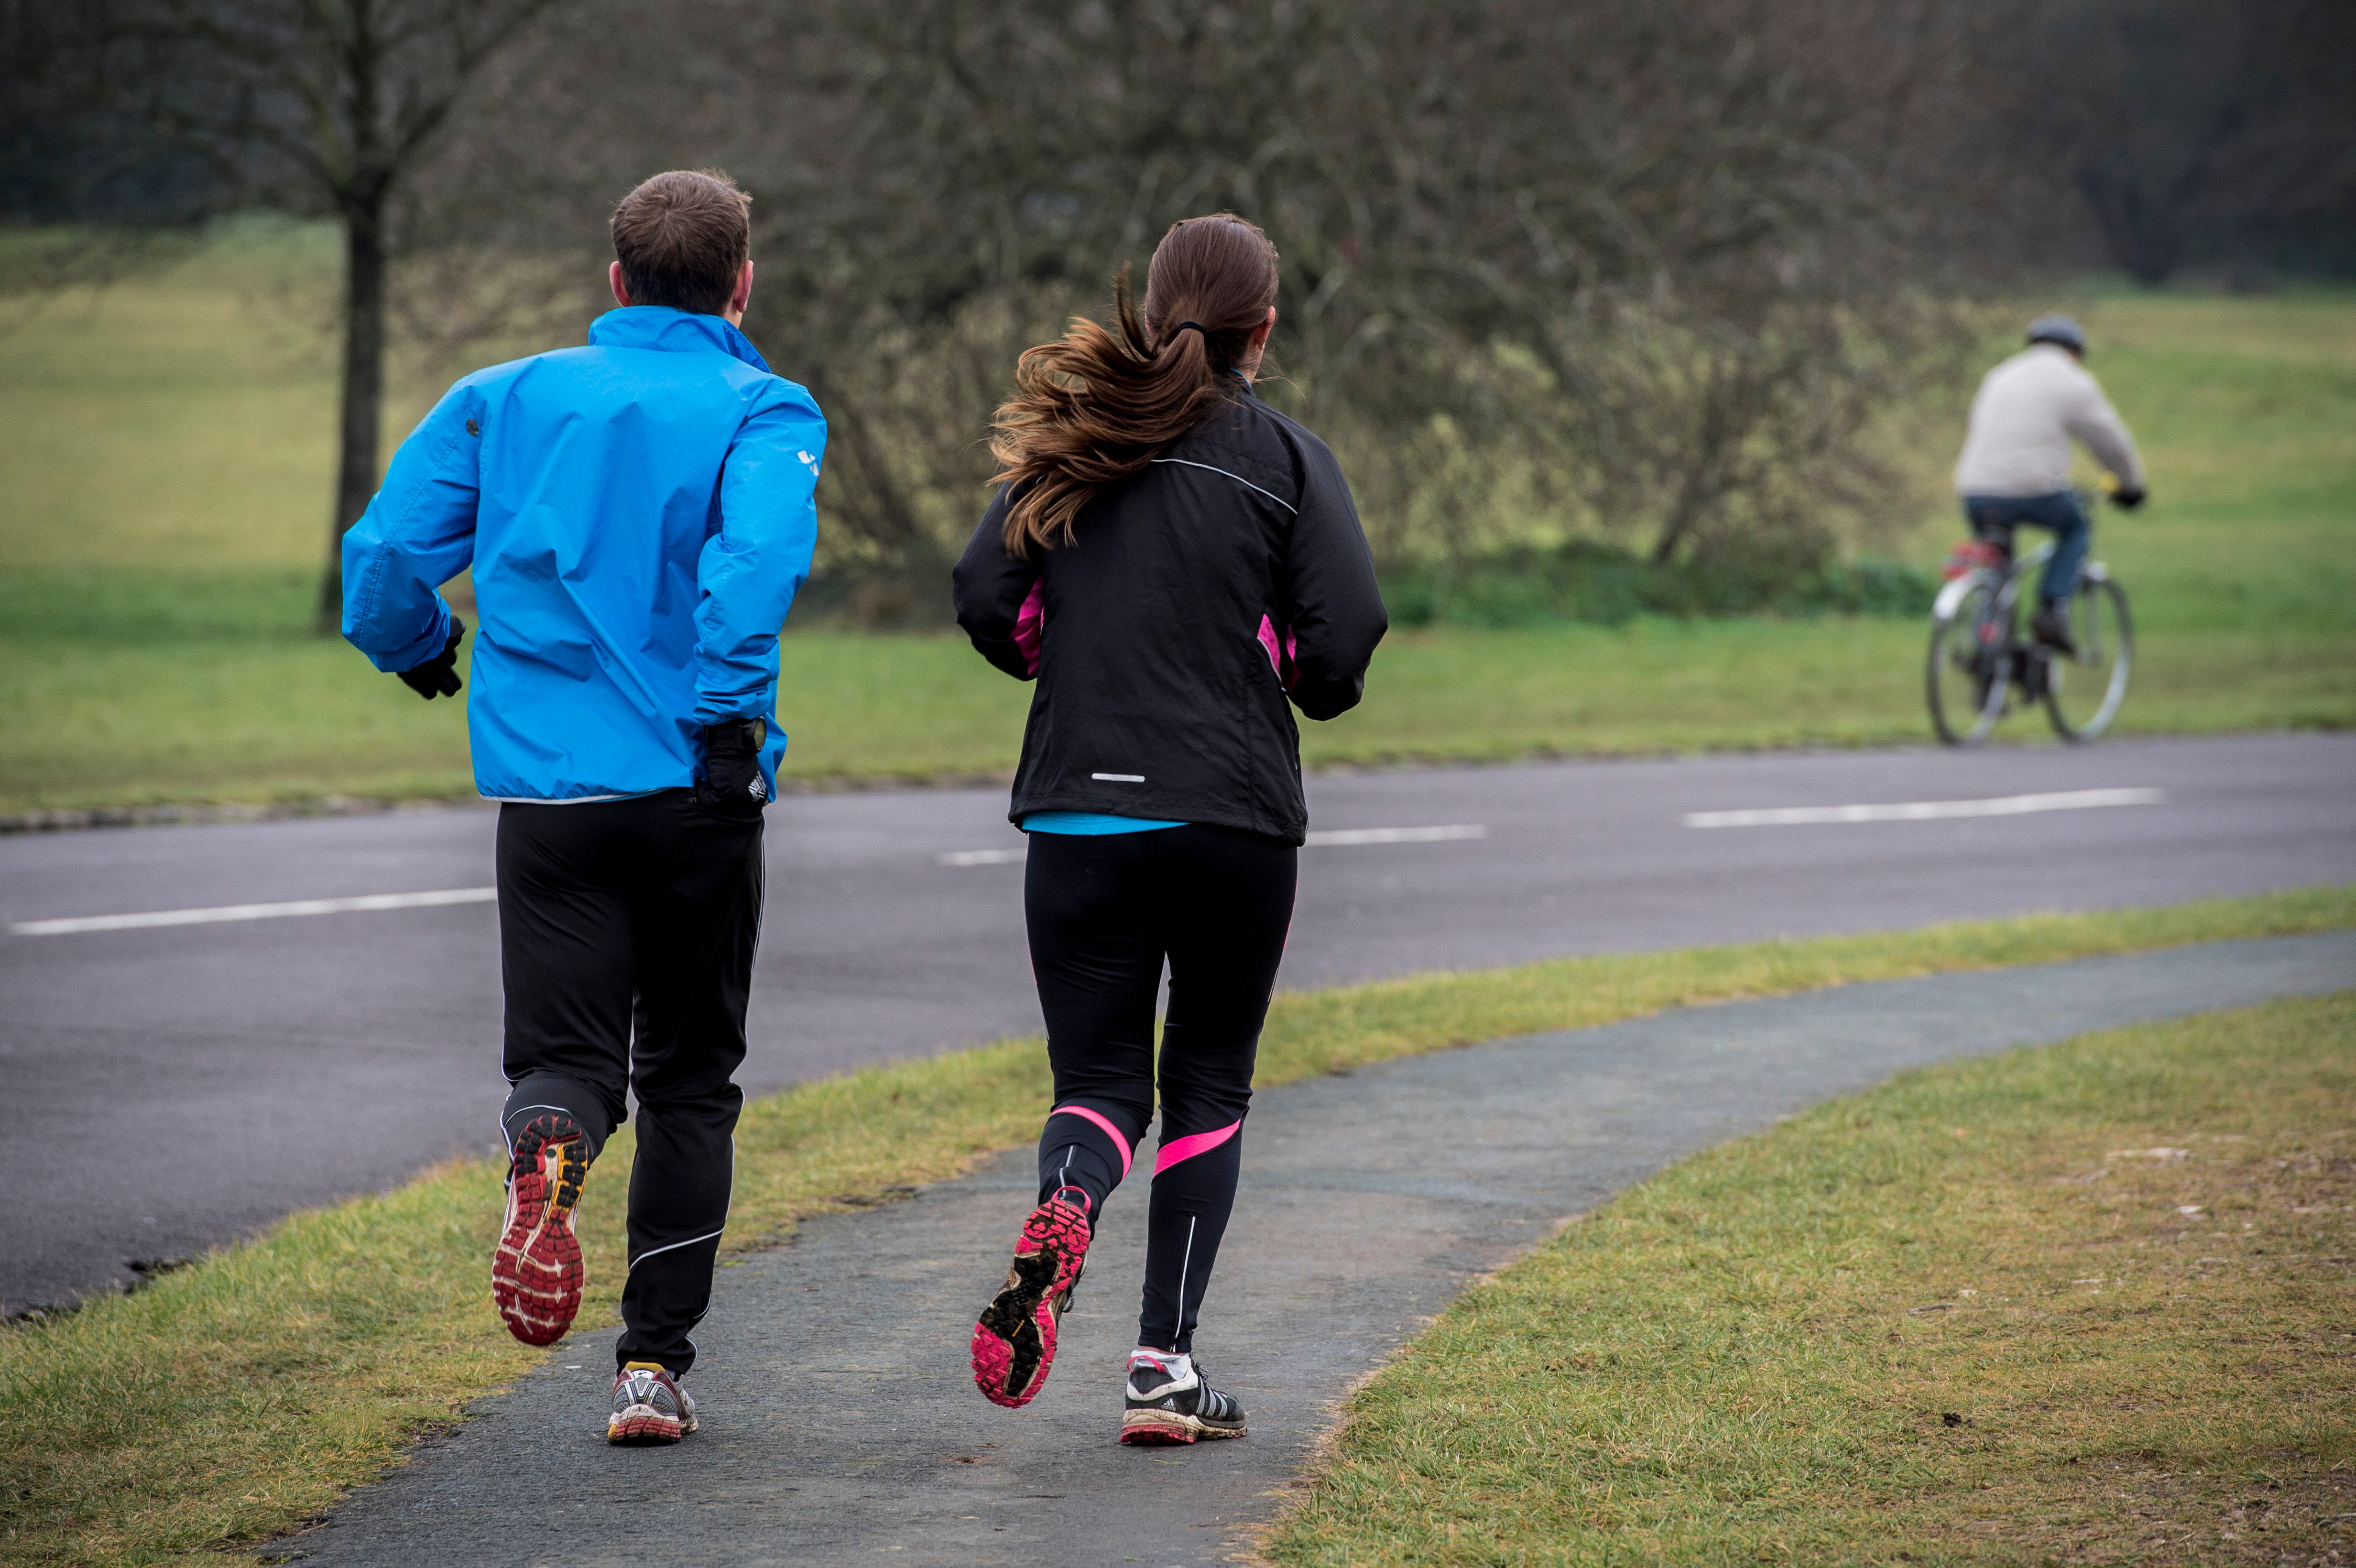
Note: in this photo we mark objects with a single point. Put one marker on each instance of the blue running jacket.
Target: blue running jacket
(638, 515)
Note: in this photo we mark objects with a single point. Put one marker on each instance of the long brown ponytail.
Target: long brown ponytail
(1095, 407)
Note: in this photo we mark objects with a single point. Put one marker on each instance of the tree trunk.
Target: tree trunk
(2139, 232)
(363, 390)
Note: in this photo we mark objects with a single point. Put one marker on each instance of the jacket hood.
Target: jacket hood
(672, 331)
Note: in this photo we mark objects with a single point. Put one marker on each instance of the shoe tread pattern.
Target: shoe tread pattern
(537, 1274)
(1014, 1338)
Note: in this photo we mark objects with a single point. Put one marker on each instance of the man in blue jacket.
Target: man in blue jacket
(638, 515)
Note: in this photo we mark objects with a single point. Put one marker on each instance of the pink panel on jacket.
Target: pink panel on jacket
(1030, 622)
(1277, 661)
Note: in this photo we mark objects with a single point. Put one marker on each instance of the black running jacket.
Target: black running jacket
(1197, 596)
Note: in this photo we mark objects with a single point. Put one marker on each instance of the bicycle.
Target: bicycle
(1979, 660)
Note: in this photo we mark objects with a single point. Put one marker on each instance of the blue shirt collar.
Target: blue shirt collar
(672, 331)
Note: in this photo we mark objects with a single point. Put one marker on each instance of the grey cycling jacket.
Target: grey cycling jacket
(2026, 411)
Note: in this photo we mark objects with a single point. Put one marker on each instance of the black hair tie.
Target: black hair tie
(1183, 326)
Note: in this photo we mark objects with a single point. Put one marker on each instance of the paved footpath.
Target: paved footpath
(841, 1425)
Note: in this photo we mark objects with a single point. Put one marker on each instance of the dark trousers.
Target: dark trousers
(1104, 913)
(627, 932)
(1993, 519)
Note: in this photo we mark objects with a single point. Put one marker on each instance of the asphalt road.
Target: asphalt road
(839, 1423)
(166, 1089)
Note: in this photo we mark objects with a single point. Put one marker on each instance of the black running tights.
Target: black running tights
(626, 931)
(1105, 912)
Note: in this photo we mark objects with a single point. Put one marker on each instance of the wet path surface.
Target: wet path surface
(841, 1425)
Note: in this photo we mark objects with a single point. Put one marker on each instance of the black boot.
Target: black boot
(2050, 626)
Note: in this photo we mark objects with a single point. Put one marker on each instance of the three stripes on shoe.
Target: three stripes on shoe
(1171, 1402)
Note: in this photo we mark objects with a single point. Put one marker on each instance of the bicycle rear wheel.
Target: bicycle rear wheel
(2084, 690)
(1966, 677)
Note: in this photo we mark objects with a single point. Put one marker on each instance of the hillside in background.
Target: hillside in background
(172, 439)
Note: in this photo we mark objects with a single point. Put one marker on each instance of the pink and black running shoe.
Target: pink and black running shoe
(1014, 1341)
(536, 1274)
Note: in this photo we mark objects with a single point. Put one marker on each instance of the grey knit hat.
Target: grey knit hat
(2058, 329)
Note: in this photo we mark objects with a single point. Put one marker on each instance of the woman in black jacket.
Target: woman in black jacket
(1172, 561)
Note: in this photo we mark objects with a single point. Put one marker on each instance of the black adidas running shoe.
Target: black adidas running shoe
(1170, 1402)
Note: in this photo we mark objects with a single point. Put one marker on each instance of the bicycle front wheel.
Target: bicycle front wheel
(1966, 675)
(2084, 690)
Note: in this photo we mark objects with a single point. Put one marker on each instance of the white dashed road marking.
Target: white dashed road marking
(254, 912)
(1927, 810)
(983, 856)
(487, 895)
(1397, 834)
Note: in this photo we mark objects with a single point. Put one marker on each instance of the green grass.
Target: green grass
(178, 424)
(144, 713)
(1965, 1317)
(166, 493)
(232, 1399)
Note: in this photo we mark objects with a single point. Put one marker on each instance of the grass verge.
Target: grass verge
(2083, 1304)
(233, 1399)
(169, 478)
(132, 715)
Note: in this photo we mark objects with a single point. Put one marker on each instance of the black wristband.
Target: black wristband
(735, 738)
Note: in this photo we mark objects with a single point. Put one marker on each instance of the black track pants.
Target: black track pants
(1105, 912)
(626, 931)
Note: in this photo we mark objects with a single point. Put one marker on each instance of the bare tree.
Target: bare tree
(316, 105)
(2177, 120)
(1657, 272)
(1658, 268)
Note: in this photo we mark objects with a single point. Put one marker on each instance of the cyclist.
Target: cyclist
(1171, 560)
(2015, 466)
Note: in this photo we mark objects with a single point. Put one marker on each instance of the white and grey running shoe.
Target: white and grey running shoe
(1168, 1403)
(648, 1407)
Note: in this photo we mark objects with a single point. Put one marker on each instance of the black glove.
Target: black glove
(2125, 498)
(732, 785)
(438, 676)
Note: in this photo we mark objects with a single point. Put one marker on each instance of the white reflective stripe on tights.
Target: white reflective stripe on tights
(675, 1246)
(1184, 1259)
(693, 1240)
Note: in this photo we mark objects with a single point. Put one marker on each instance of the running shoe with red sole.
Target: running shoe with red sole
(536, 1274)
(1014, 1340)
(649, 1406)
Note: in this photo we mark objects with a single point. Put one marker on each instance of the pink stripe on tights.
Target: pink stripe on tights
(1111, 1132)
(1192, 1145)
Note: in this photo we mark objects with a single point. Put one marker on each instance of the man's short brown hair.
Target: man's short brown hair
(681, 237)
